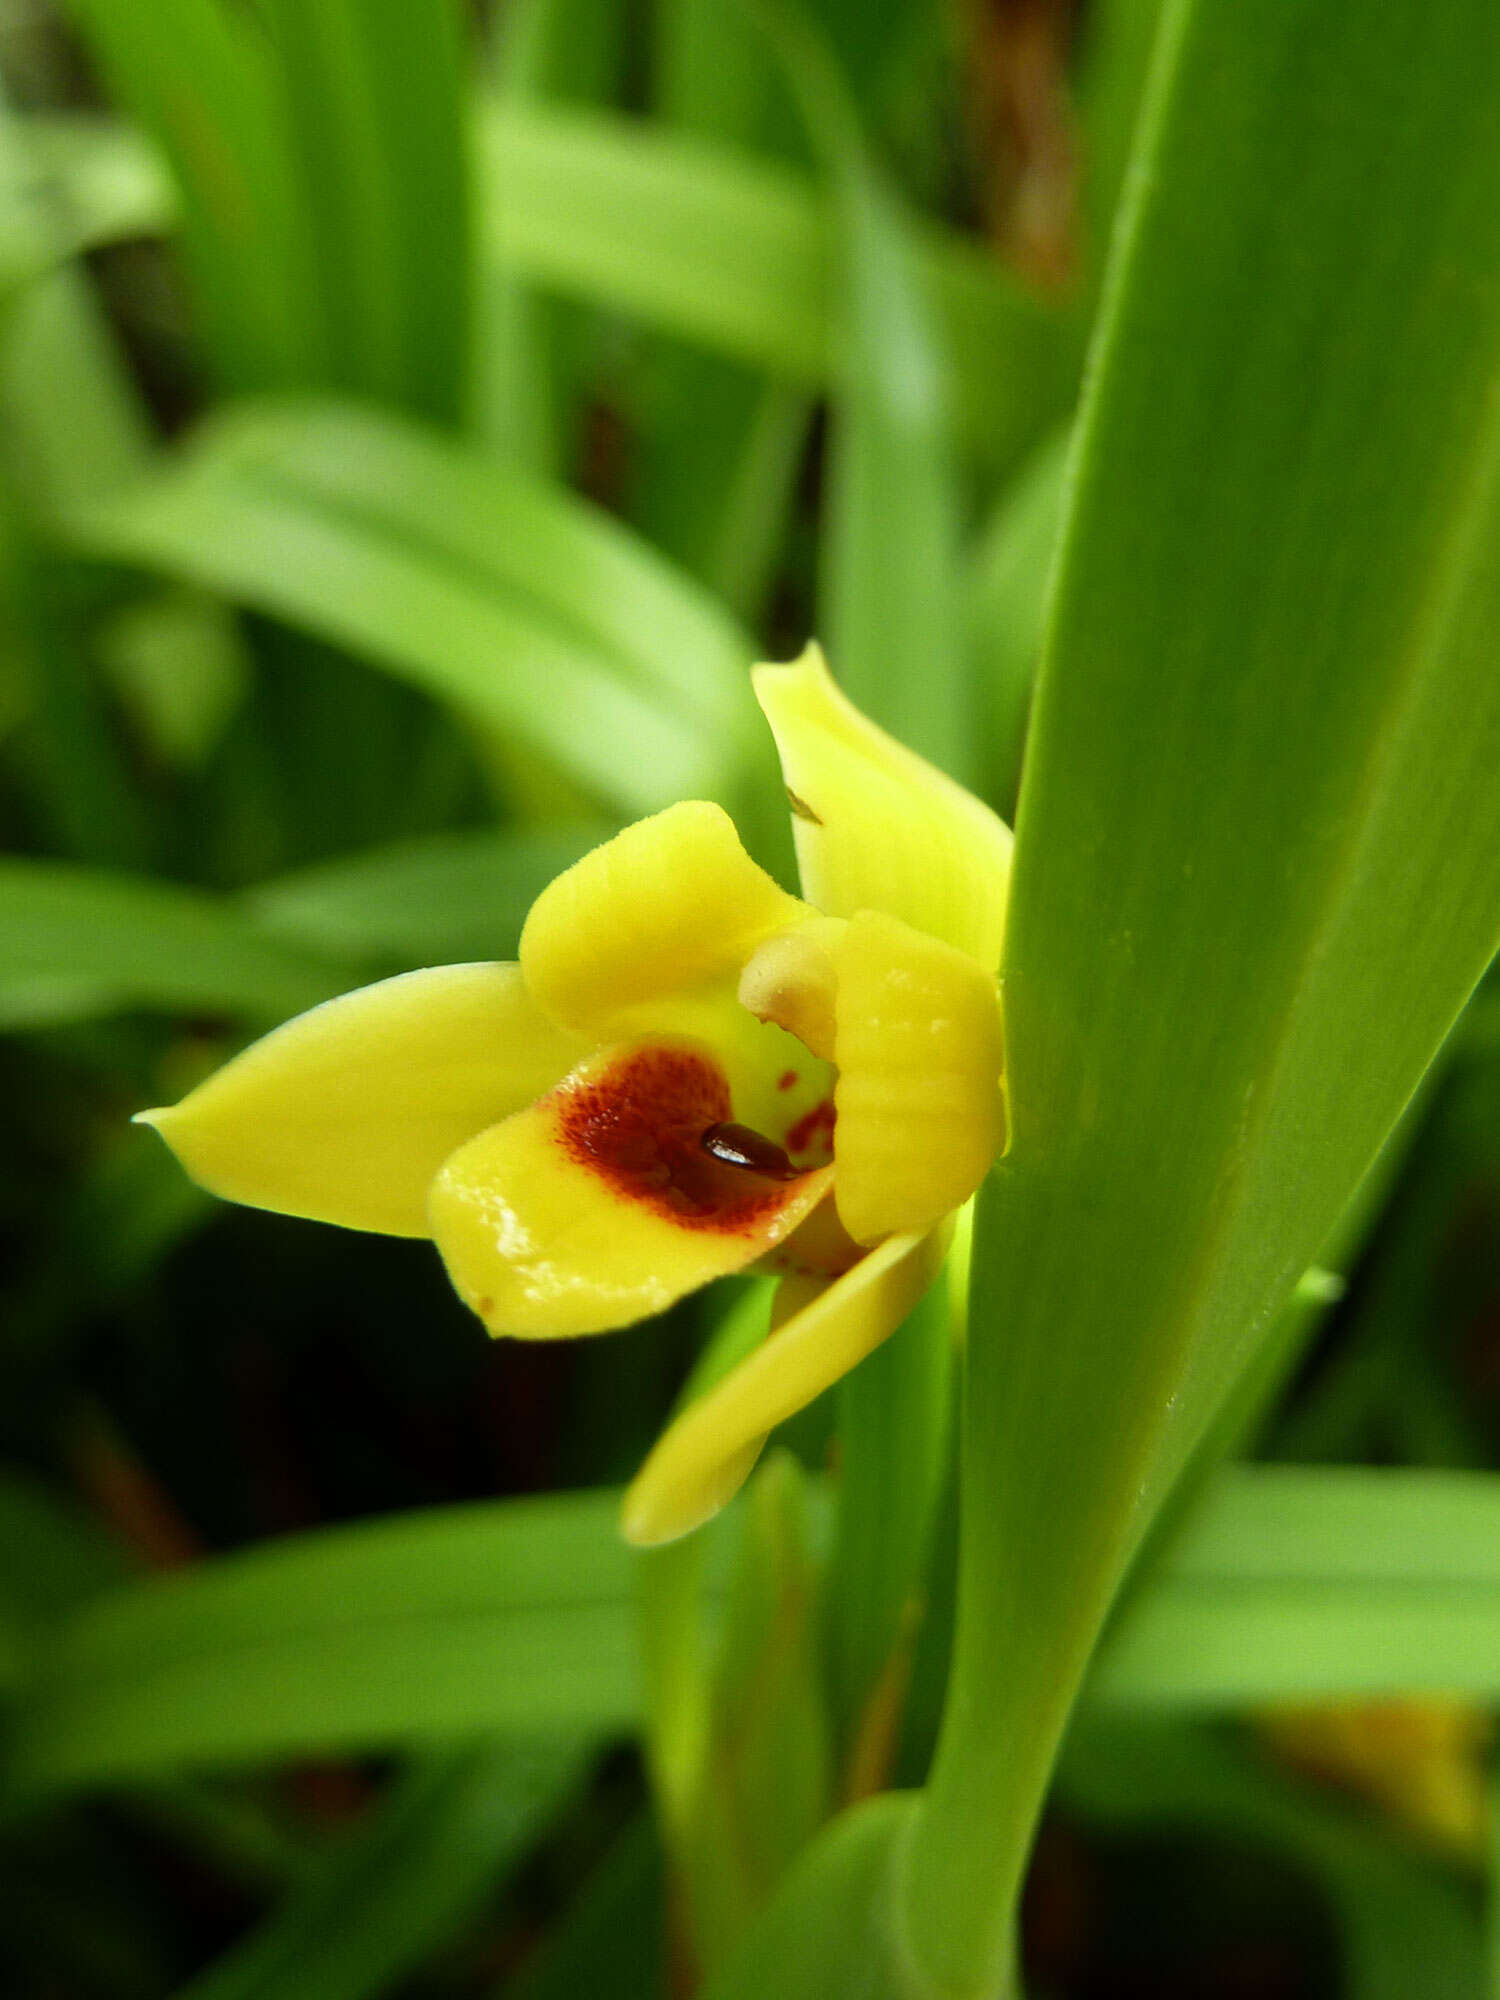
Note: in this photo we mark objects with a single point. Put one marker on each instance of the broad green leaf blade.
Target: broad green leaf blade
(526, 608)
(512, 1618)
(76, 942)
(373, 98)
(1258, 863)
(1294, 1583)
(196, 75)
(445, 899)
(1407, 1925)
(398, 1889)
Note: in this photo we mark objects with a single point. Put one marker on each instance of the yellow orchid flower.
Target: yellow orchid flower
(689, 1071)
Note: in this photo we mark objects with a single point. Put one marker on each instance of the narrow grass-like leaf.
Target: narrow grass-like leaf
(1295, 1583)
(398, 1889)
(447, 898)
(707, 242)
(524, 535)
(1006, 600)
(76, 942)
(1406, 1924)
(608, 1942)
(739, 253)
(197, 76)
(720, 443)
(1258, 859)
(528, 385)
(518, 1617)
(889, 586)
(374, 100)
(512, 1619)
(527, 609)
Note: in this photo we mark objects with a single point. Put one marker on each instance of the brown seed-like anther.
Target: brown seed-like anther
(740, 1146)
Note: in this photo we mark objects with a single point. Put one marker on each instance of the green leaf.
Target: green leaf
(177, 665)
(1006, 603)
(703, 241)
(833, 1928)
(512, 1618)
(106, 180)
(374, 103)
(517, 1616)
(1293, 1583)
(76, 942)
(889, 586)
(444, 899)
(607, 1942)
(529, 351)
(1407, 1926)
(766, 1779)
(739, 254)
(895, 1435)
(527, 608)
(51, 1556)
(1258, 856)
(197, 76)
(401, 1887)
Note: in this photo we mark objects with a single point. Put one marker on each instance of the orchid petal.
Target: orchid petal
(671, 903)
(918, 1099)
(876, 826)
(705, 1455)
(345, 1113)
(598, 1205)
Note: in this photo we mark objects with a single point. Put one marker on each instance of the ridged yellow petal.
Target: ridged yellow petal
(876, 826)
(598, 1205)
(345, 1113)
(918, 1048)
(671, 903)
(706, 1454)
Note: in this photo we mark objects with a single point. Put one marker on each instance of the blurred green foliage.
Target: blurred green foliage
(413, 420)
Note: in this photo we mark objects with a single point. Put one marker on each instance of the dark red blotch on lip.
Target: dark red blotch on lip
(813, 1131)
(640, 1124)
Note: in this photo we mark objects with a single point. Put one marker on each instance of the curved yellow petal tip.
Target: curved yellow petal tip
(877, 827)
(345, 1114)
(703, 1458)
(600, 1204)
(670, 904)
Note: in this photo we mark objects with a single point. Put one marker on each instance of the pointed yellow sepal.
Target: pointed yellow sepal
(600, 1204)
(876, 826)
(702, 1458)
(672, 903)
(345, 1113)
(918, 1046)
